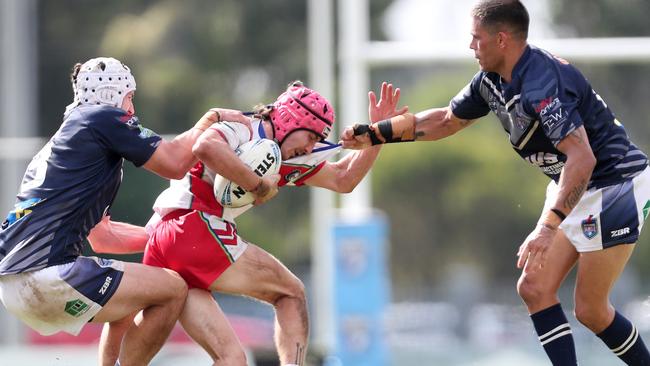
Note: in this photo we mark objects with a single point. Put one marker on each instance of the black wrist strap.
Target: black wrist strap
(360, 129)
(559, 213)
(386, 129)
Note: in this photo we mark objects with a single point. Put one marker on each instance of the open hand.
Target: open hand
(387, 105)
(532, 253)
(353, 137)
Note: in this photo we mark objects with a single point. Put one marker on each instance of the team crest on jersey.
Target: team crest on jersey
(590, 227)
(522, 122)
(292, 175)
(493, 102)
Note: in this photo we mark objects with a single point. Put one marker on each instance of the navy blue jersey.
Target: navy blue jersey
(546, 100)
(69, 185)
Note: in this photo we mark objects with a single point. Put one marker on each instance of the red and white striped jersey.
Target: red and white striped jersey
(195, 190)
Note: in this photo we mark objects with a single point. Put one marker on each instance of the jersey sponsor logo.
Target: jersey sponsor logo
(130, 121)
(134, 123)
(543, 104)
(550, 112)
(547, 162)
(590, 227)
(107, 283)
(145, 132)
(21, 210)
(619, 232)
(76, 307)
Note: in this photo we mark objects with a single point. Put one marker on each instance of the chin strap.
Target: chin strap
(396, 129)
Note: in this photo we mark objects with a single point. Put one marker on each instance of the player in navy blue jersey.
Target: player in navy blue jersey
(65, 197)
(599, 195)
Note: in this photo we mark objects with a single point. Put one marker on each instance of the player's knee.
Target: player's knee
(293, 290)
(297, 290)
(177, 288)
(529, 290)
(589, 315)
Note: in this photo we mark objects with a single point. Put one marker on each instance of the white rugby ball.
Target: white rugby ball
(261, 156)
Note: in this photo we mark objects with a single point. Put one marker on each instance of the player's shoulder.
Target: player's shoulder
(546, 73)
(538, 73)
(101, 111)
(236, 129)
(537, 65)
(98, 114)
(542, 66)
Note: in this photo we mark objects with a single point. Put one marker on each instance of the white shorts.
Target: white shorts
(63, 297)
(606, 216)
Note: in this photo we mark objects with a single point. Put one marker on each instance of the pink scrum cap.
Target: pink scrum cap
(300, 108)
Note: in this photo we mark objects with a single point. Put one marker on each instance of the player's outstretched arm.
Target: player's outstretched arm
(117, 237)
(172, 159)
(429, 125)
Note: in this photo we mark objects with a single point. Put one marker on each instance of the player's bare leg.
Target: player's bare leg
(110, 341)
(538, 288)
(161, 294)
(597, 273)
(259, 275)
(205, 322)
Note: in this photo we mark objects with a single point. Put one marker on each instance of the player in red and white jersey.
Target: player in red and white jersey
(195, 190)
(197, 237)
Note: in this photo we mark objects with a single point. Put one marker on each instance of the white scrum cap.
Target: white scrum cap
(103, 80)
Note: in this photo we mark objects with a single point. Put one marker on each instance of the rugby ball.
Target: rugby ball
(261, 156)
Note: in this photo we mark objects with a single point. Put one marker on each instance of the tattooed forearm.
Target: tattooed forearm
(574, 195)
(419, 134)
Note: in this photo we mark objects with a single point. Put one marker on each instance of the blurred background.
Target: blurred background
(434, 259)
